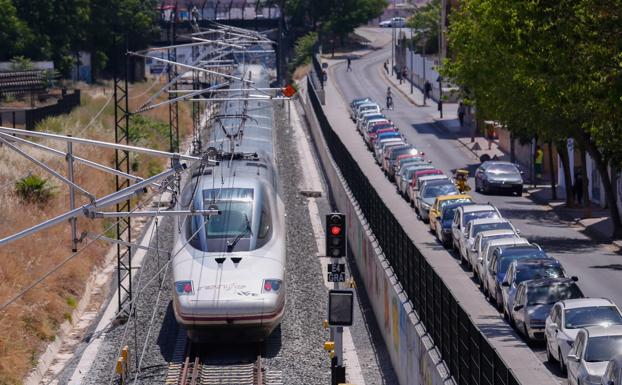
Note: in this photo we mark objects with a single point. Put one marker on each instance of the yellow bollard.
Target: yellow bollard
(325, 324)
(125, 354)
(329, 345)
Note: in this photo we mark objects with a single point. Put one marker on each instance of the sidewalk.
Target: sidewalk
(598, 226)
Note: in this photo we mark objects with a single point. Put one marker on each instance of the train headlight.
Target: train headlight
(184, 287)
(271, 285)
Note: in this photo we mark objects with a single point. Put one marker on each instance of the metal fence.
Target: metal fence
(466, 351)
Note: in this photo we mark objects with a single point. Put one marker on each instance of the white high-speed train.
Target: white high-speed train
(229, 276)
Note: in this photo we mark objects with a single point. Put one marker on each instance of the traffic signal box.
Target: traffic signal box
(335, 235)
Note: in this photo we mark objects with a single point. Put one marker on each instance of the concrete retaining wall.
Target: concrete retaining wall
(413, 355)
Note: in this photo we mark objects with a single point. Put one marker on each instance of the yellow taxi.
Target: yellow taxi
(441, 201)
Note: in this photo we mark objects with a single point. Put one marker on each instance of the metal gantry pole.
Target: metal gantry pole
(412, 54)
(122, 163)
(173, 108)
(72, 198)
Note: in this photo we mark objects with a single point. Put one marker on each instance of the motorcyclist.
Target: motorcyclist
(389, 98)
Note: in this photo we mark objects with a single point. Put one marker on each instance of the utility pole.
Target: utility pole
(412, 54)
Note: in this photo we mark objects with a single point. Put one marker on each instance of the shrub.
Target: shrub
(72, 302)
(303, 50)
(34, 189)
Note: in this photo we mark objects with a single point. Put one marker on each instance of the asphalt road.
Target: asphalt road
(596, 265)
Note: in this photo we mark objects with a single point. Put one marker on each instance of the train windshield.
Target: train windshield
(235, 205)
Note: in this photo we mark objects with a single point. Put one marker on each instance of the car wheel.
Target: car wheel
(549, 356)
(562, 365)
(526, 332)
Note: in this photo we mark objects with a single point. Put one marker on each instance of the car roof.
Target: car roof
(508, 241)
(492, 233)
(438, 182)
(456, 205)
(489, 163)
(533, 261)
(586, 302)
(483, 221)
(601, 331)
(531, 246)
(478, 207)
(457, 196)
(432, 177)
(542, 282)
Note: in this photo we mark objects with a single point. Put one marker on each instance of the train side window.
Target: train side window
(265, 226)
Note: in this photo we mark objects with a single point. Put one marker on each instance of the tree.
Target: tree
(15, 36)
(425, 22)
(549, 69)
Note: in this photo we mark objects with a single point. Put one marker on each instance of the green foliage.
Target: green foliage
(72, 302)
(55, 30)
(145, 129)
(303, 49)
(34, 189)
(546, 69)
(154, 167)
(425, 24)
(20, 63)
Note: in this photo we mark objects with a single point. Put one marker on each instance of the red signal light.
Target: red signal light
(188, 288)
(335, 230)
(267, 286)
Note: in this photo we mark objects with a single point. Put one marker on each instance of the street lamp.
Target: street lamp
(412, 54)
(393, 39)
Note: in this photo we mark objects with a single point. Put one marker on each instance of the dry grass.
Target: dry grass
(33, 320)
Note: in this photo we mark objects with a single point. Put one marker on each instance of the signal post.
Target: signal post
(340, 302)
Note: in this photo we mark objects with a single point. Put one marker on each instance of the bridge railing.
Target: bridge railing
(466, 351)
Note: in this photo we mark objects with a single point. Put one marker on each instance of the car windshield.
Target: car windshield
(540, 271)
(603, 348)
(468, 217)
(403, 151)
(592, 316)
(503, 169)
(374, 116)
(381, 126)
(546, 295)
(435, 190)
(452, 201)
(491, 226)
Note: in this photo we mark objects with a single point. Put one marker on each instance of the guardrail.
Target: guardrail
(466, 351)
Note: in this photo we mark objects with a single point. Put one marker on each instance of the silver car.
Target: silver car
(427, 195)
(499, 176)
(355, 103)
(589, 357)
(414, 190)
(405, 176)
(381, 145)
(476, 226)
(534, 300)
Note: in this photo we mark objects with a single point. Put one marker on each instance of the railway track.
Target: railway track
(195, 365)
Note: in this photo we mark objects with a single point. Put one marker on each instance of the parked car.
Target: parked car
(539, 265)
(568, 317)
(391, 158)
(442, 201)
(445, 220)
(377, 128)
(371, 122)
(476, 226)
(381, 143)
(589, 357)
(427, 195)
(613, 373)
(413, 190)
(500, 176)
(477, 252)
(355, 103)
(385, 148)
(397, 22)
(365, 107)
(382, 134)
(488, 246)
(402, 180)
(367, 116)
(534, 300)
(466, 214)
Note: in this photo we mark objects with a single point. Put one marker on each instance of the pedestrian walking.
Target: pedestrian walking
(405, 73)
(461, 111)
(538, 161)
(349, 68)
(578, 186)
(427, 87)
(386, 67)
(324, 75)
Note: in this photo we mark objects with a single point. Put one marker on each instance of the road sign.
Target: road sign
(340, 307)
(336, 272)
(336, 277)
(289, 91)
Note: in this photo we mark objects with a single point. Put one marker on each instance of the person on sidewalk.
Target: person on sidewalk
(461, 112)
(577, 188)
(427, 87)
(405, 73)
(349, 68)
(538, 161)
(386, 66)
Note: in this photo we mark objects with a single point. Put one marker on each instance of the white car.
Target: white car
(384, 144)
(613, 373)
(487, 248)
(413, 190)
(475, 227)
(466, 214)
(591, 352)
(568, 317)
(397, 22)
(476, 252)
